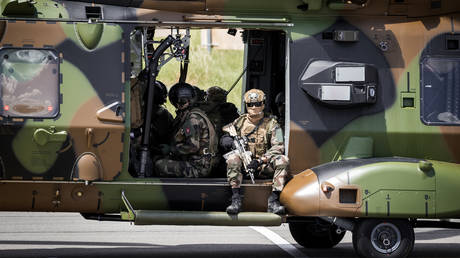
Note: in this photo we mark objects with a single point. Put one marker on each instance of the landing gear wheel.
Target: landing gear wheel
(383, 238)
(315, 235)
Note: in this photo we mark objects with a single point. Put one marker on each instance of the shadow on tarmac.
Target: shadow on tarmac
(437, 234)
(425, 250)
(129, 249)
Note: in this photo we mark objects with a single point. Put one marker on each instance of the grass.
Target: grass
(218, 68)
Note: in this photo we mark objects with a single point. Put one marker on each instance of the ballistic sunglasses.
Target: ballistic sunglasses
(254, 104)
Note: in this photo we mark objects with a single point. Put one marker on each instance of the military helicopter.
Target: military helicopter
(371, 124)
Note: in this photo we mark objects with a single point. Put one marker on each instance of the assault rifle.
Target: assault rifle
(239, 145)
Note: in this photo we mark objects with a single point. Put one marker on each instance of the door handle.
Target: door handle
(42, 136)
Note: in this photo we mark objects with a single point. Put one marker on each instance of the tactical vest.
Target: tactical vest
(212, 149)
(259, 138)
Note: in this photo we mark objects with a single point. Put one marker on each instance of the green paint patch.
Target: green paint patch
(89, 34)
(395, 189)
(92, 36)
(142, 196)
(307, 28)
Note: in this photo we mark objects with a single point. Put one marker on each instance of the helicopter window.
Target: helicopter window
(29, 83)
(440, 91)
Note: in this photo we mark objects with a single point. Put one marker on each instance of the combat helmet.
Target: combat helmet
(160, 93)
(216, 94)
(180, 93)
(280, 99)
(254, 95)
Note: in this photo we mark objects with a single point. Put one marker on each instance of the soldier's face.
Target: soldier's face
(182, 103)
(255, 108)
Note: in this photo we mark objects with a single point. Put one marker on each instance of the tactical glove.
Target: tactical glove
(254, 165)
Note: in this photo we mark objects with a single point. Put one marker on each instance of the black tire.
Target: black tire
(384, 238)
(315, 235)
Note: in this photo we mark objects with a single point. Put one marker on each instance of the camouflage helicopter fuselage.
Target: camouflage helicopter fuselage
(372, 123)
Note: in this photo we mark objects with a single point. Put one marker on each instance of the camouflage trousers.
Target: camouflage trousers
(277, 169)
(179, 168)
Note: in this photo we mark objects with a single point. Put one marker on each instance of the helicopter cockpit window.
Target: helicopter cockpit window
(29, 83)
(440, 91)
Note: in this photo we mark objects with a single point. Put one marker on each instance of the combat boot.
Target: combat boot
(274, 205)
(235, 207)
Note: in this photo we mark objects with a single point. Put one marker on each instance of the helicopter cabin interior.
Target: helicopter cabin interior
(263, 67)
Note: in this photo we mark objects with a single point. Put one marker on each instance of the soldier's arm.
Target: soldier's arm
(276, 143)
(192, 130)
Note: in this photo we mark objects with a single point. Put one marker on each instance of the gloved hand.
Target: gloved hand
(165, 149)
(254, 165)
(226, 141)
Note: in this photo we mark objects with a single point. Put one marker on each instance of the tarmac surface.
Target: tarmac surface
(27, 234)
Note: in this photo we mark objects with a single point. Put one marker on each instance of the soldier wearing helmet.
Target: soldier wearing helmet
(192, 152)
(266, 143)
(160, 125)
(219, 111)
(162, 120)
(281, 108)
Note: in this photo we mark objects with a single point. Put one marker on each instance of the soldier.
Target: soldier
(219, 111)
(160, 125)
(266, 143)
(192, 153)
(281, 108)
(162, 120)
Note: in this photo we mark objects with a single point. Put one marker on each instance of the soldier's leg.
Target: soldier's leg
(169, 168)
(234, 177)
(176, 168)
(280, 165)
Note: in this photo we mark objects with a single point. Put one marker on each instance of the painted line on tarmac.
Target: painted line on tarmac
(279, 241)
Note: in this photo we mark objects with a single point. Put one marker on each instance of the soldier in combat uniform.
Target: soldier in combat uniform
(281, 108)
(161, 122)
(193, 150)
(266, 143)
(219, 111)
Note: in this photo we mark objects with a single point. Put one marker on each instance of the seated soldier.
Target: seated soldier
(160, 125)
(219, 111)
(281, 108)
(266, 142)
(162, 120)
(192, 152)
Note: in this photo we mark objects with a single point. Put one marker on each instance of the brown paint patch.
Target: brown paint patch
(452, 136)
(303, 152)
(303, 196)
(216, 5)
(36, 34)
(105, 140)
(300, 195)
(2, 29)
(256, 198)
(65, 197)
